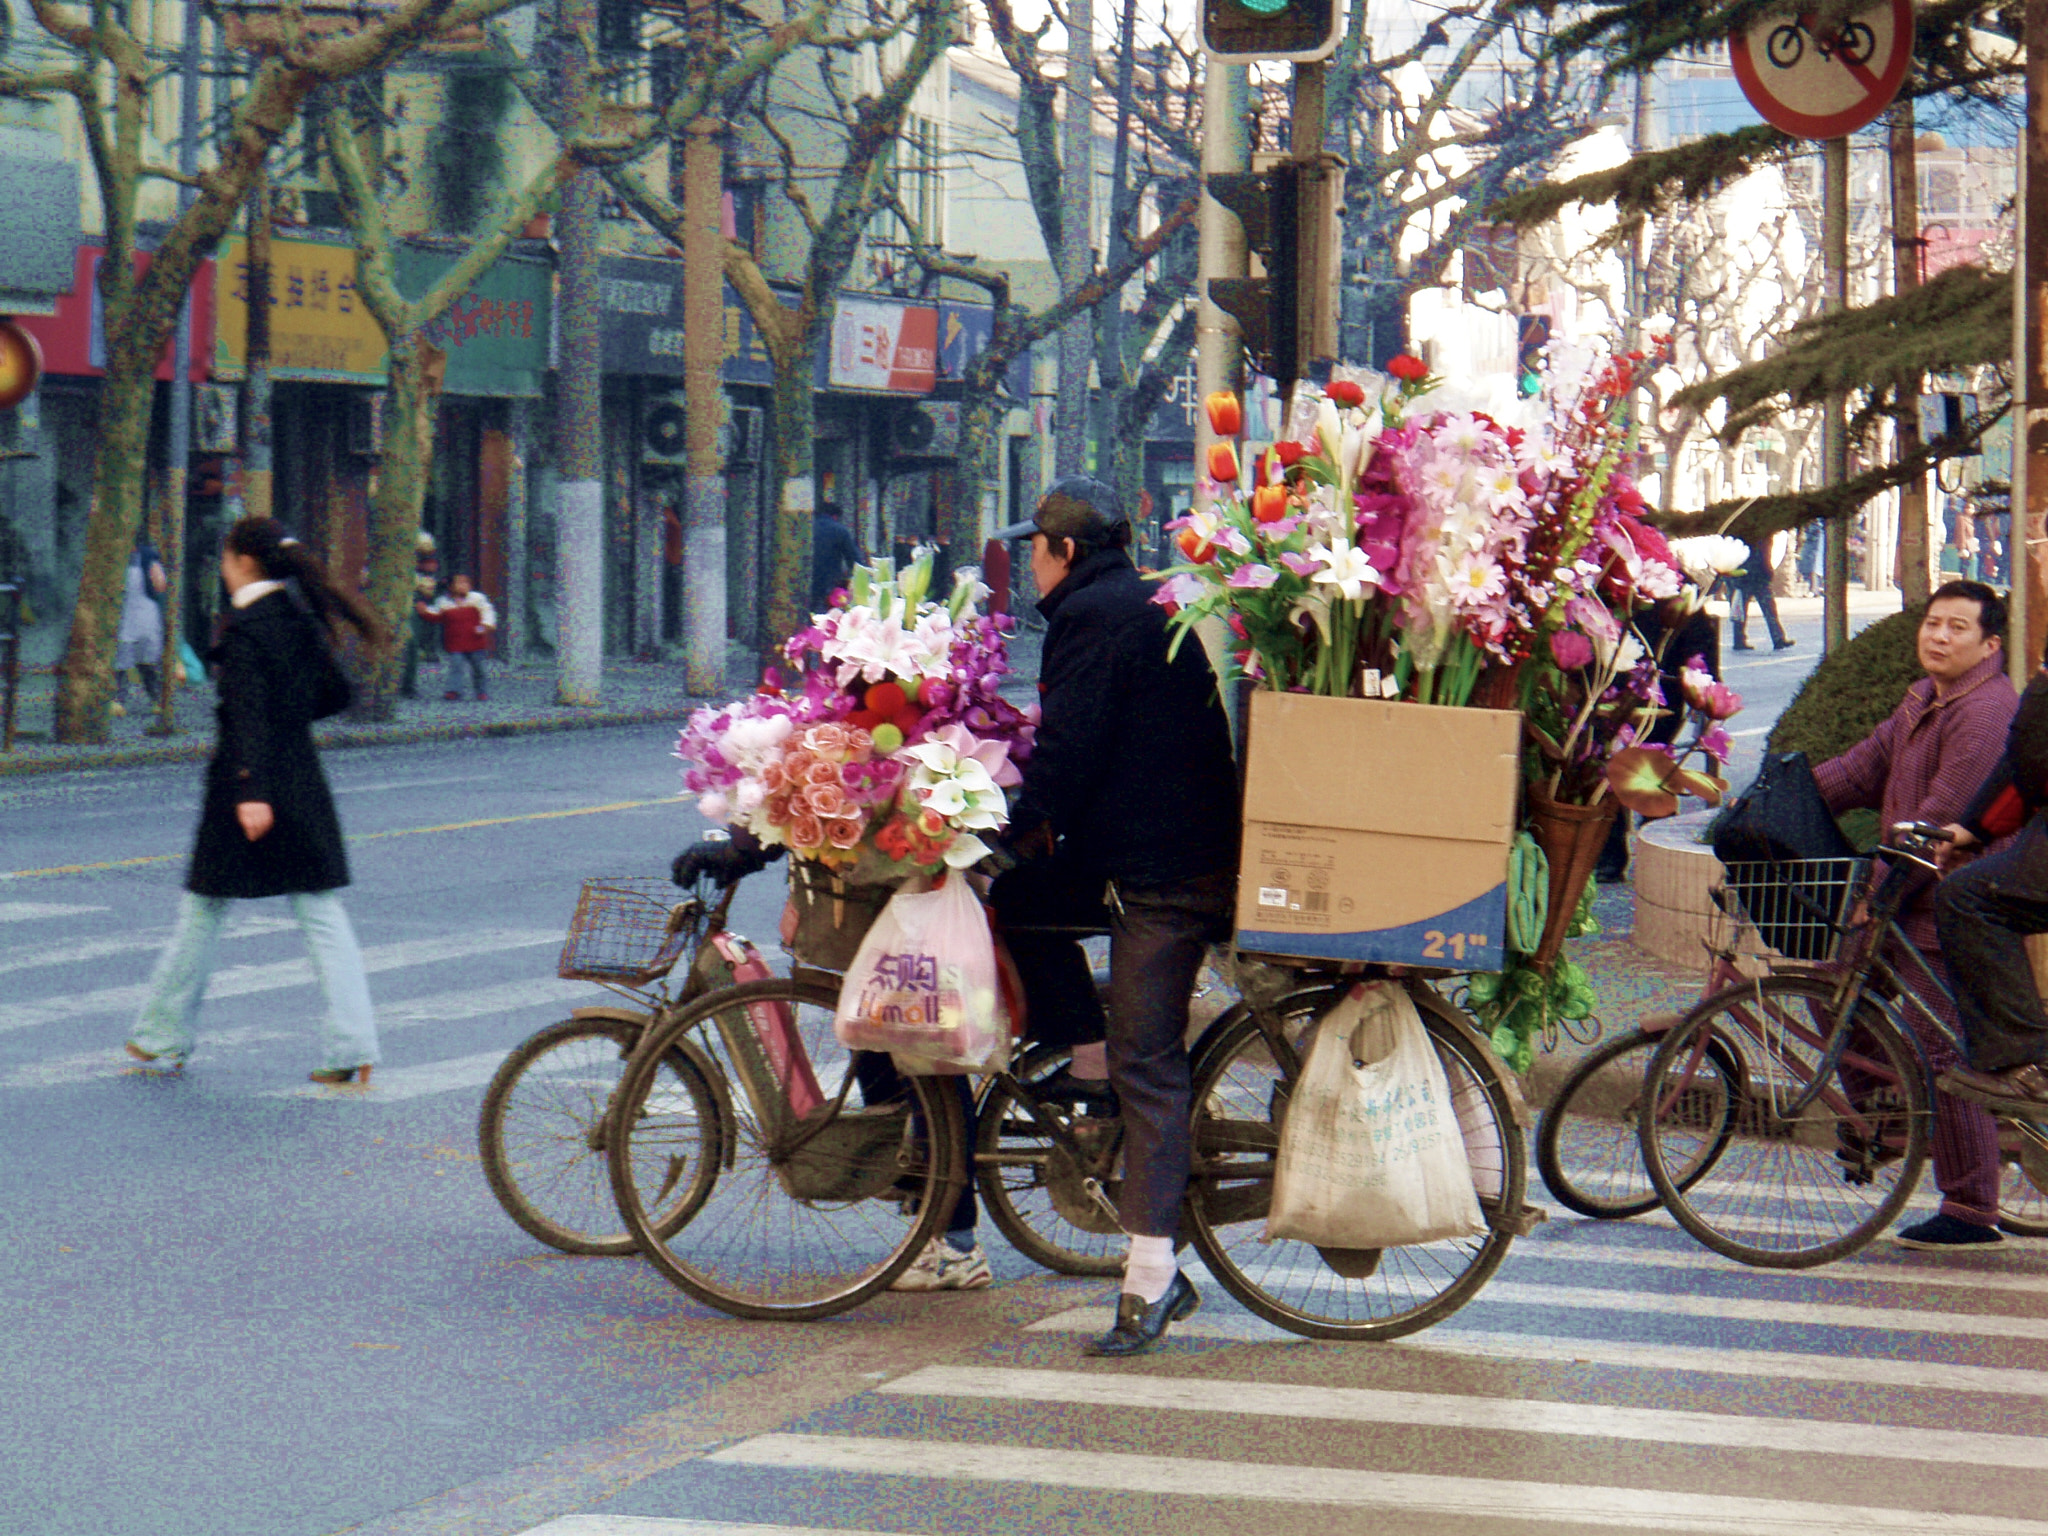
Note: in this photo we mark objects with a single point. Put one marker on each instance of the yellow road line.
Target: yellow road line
(366, 837)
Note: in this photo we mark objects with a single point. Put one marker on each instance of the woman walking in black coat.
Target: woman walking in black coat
(268, 827)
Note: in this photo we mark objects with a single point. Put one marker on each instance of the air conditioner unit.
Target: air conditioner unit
(739, 440)
(664, 429)
(929, 429)
(366, 423)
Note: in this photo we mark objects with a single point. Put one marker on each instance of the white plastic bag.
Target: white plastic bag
(1371, 1154)
(923, 986)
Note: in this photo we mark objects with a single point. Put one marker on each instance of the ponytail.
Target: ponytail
(283, 558)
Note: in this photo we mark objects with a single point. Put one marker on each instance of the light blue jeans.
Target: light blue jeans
(348, 1036)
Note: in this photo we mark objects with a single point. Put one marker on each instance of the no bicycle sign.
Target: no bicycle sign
(1819, 80)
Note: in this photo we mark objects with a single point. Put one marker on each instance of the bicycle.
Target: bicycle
(541, 1130)
(1588, 1138)
(1854, 43)
(837, 1174)
(1806, 1097)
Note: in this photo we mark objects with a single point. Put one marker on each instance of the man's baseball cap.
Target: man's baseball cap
(1078, 508)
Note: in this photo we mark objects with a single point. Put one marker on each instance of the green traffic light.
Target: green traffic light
(1265, 7)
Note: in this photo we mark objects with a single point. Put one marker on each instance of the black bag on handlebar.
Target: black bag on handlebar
(1780, 817)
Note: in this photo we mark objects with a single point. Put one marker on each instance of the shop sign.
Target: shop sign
(965, 331)
(643, 324)
(884, 345)
(74, 339)
(495, 335)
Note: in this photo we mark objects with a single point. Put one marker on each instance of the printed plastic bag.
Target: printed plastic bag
(924, 986)
(1371, 1154)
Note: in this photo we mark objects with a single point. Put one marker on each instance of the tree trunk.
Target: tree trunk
(789, 566)
(980, 415)
(86, 674)
(395, 506)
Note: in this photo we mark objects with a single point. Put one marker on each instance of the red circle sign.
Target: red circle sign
(1821, 83)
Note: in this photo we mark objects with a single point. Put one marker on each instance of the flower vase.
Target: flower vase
(1499, 687)
(1571, 837)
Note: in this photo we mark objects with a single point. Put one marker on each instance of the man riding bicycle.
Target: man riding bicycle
(1922, 764)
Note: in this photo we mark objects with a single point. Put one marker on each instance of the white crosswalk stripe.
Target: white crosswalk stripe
(145, 942)
(35, 911)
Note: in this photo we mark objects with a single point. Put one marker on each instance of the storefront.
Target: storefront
(328, 369)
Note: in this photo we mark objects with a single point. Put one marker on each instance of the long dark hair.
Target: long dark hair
(283, 558)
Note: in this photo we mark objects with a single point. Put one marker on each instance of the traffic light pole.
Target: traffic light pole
(1226, 148)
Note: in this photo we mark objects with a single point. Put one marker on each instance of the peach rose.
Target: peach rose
(772, 777)
(822, 773)
(826, 800)
(826, 740)
(843, 832)
(859, 743)
(806, 831)
(796, 762)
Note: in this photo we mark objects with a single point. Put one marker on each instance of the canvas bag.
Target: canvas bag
(1372, 1154)
(924, 985)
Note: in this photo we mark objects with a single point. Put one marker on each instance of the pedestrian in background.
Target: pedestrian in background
(422, 639)
(267, 826)
(1753, 584)
(139, 643)
(466, 622)
(834, 554)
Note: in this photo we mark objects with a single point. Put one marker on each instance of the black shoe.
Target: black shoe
(1946, 1234)
(1739, 646)
(1139, 1327)
(1062, 1087)
(1783, 645)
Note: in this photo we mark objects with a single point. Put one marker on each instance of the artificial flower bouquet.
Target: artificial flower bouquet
(1393, 547)
(885, 751)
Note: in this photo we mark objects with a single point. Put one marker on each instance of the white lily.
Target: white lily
(1347, 568)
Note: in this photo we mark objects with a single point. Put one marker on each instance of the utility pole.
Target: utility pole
(1915, 580)
(704, 557)
(256, 492)
(2022, 653)
(579, 384)
(1219, 351)
(2030, 433)
(1834, 451)
(181, 394)
(1077, 340)
(1112, 354)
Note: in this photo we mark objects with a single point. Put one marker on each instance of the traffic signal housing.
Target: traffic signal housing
(1287, 309)
(1244, 31)
(1532, 335)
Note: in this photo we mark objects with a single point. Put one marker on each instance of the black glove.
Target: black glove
(998, 861)
(723, 861)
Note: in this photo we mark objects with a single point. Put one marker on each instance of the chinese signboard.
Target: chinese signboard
(643, 324)
(884, 345)
(495, 335)
(74, 339)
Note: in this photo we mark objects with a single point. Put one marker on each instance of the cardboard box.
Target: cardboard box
(1378, 831)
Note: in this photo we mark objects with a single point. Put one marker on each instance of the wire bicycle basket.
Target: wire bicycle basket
(628, 930)
(1800, 908)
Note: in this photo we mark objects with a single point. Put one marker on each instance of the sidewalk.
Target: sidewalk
(522, 702)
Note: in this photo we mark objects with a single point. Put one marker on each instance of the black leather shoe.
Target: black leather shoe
(2021, 1090)
(1062, 1087)
(1139, 1327)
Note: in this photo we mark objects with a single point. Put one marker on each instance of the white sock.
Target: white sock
(1091, 1062)
(1150, 1268)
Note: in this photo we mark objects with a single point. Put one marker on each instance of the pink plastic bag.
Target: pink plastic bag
(923, 986)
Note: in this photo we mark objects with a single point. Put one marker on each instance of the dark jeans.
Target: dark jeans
(1984, 913)
(1758, 588)
(474, 661)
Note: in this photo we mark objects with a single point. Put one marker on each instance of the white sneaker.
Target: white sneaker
(942, 1267)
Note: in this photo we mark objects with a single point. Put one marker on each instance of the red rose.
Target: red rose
(1290, 454)
(1407, 368)
(1344, 392)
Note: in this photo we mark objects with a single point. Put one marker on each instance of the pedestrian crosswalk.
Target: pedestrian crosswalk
(71, 981)
(1613, 1377)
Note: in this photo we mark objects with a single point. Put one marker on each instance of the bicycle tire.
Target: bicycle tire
(809, 1215)
(540, 1134)
(1293, 1285)
(2023, 1192)
(1032, 1187)
(1811, 1189)
(1588, 1147)
(1785, 46)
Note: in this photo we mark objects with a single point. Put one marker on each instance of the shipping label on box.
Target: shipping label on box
(1378, 832)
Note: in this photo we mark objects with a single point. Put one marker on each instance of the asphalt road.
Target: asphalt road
(236, 1305)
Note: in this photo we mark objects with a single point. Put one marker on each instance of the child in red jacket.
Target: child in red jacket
(467, 623)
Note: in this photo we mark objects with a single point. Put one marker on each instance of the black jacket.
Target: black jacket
(274, 678)
(1132, 770)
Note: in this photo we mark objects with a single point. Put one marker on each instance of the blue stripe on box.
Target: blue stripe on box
(1469, 937)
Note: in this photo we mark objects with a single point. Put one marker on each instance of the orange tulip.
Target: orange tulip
(1226, 416)
(1194, 546)
(1223, 463)
(1269, 503)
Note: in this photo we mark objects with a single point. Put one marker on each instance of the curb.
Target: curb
(200, 747)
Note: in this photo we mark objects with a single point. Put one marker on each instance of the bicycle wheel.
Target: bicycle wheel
(2023, 1187)
(1033, 1187)
(824, 1196)
(1588, 1147)
(1240, 1092)
(1789, 1190)
(541, 1134)
(1785, 45)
